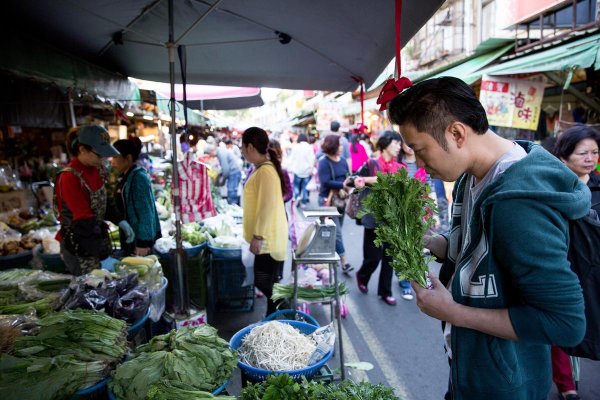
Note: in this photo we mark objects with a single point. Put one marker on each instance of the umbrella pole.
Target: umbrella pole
(181, 296)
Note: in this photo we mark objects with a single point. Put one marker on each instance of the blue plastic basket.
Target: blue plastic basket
(290, 314)
(137, 326)
(224, 252)
(257, 374)
(93, 389)
(20, 260)
(195, 251)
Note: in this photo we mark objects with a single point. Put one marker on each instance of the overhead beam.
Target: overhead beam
(553, 76)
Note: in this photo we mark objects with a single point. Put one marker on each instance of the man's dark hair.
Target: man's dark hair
(568, 140)
(387, 138)
(335, 126)
(432, 105)
(302, 138)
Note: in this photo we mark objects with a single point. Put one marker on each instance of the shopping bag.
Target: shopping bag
(353, 204)
(248, 262)
(337, 198)
(311, 186)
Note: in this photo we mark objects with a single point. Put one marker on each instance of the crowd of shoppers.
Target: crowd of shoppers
(505, 241)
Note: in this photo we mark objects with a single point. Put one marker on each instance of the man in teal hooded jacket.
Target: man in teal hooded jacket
(506, 291)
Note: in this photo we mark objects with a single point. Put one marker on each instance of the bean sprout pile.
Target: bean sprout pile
(276, 346)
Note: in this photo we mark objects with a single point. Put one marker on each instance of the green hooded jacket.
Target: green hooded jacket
(515, 257)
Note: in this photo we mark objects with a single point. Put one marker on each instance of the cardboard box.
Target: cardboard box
(196, 318)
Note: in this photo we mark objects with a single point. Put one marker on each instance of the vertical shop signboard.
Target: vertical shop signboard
(512, 103)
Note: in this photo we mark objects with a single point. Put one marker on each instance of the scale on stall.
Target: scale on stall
(317, 246)
(318, 240)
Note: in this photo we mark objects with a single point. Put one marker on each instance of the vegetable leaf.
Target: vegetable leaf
(403, 208)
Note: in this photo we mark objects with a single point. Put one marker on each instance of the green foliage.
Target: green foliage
(88, 335)
(47, 378)
(194, 357)
(73, 350)
(283, 387)
(172, 390)
(283, 292)
(403, 209)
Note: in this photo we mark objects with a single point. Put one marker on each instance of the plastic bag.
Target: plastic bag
(158, 300)
(248, 262)
(91, 292)
(133, 305)
(325, 338)
(88, 298)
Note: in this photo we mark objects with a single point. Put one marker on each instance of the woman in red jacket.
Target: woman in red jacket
(81, 200)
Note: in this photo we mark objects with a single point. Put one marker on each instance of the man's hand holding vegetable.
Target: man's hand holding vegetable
(437, 302)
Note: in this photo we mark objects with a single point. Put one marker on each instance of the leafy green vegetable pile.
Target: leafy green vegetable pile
(89, 335)
(191, 359)
(47, 378)
(281, 291)
(73, 350)
(403, 208)
(283, 387)
(166, 390)
(24, 291)
(193, 234)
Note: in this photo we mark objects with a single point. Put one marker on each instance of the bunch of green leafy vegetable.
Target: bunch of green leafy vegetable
(86, 334)
(283, 387)
(195, 358)
(169, 390)
(72, 350)
(281, 291)
(47, 378)
(402, 207)
(29, 280)
(41, 307)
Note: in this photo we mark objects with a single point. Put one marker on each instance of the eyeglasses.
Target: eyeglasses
(97, 155)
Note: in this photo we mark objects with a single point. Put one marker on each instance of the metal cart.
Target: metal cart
(317, 246)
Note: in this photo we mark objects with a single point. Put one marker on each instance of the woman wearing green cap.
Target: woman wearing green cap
(81, 200)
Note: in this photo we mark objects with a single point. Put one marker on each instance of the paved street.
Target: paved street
(404, 345)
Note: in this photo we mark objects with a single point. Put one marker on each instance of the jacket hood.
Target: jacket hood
(542, 177)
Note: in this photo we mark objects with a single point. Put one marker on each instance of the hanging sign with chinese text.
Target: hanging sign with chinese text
(512, 103)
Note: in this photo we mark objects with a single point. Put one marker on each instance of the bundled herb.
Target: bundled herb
(283, 387)
(325, 293)
(403, 208)
(192, 358)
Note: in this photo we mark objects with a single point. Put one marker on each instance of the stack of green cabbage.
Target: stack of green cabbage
(191, 358)
(73, 350)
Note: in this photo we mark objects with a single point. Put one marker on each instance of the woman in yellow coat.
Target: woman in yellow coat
(265, 223)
